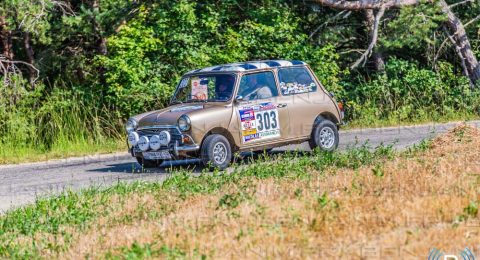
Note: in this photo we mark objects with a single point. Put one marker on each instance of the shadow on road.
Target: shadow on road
(191, 165)
(166, 167)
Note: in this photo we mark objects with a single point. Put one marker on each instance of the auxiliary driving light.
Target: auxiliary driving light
(155, 143)
(133, 138)
(144, 143)
(165, 138)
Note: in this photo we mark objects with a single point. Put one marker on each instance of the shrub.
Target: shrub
(405, 91)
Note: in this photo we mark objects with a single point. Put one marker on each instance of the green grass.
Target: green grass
(370, 121)
(12, 154)
(60, 129)
(147, 251)
(49, 224)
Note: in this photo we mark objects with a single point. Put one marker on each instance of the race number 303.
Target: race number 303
(267, 120)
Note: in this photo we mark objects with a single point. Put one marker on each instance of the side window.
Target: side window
(258, 86)
(296, 81)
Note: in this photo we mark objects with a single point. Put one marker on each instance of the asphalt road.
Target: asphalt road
(21, 184)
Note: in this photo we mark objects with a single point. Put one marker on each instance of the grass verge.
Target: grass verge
(13, 155)
(356, 204)
(371, 121)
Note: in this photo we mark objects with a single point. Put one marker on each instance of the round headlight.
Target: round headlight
(144, 143)
(184, 123)
(131, 125)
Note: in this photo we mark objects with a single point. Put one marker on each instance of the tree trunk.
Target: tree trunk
(462, 43)
(30, 58)
(6, 39)
(101, 43)
(377, 57)
(378, 61)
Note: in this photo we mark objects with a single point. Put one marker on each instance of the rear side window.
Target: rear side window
(296, 81)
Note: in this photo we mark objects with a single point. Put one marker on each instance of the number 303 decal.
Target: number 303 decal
(267, 120)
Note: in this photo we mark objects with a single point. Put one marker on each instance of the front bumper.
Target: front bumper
(176, 150)
(180, 145)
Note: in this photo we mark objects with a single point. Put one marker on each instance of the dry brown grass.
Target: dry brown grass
(398, 209)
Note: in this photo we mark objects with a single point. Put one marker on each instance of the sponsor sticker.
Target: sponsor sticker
(259, 122)
(296, 88)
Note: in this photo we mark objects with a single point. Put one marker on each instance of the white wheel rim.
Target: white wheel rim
(327, 138)
(219, 153)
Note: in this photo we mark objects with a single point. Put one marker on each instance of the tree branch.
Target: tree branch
(366, 4)
(460, 3)
(373, 41)
(64, 7)
(471, 21)
(9, 67)
(327, 22)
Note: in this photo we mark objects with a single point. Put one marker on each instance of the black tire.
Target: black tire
(216, 152)
(328, 129)
(148, 163)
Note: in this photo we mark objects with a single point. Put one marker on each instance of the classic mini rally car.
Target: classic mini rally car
(249, 106)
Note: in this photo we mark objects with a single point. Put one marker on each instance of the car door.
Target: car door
(262, 117)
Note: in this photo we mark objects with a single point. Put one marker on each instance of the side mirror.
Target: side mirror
(239, 98)
(331, 94)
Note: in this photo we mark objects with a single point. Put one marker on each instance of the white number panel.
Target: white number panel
(259, 122)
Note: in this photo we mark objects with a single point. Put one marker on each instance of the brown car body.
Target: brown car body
(297, 114)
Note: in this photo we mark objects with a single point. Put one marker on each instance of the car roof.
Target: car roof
(249, 66)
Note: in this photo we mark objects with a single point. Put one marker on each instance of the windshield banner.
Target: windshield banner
(199, 88)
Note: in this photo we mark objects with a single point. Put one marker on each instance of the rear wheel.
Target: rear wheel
(216, 152)
(148, 163)
(324, 136)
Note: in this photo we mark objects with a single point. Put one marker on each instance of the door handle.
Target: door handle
(282, 105)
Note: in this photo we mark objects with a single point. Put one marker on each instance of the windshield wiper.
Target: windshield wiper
(176, 102)
(198, 100)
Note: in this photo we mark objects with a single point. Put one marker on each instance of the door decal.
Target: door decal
(259, 122)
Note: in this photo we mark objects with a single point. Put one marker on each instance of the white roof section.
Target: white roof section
(250, 65)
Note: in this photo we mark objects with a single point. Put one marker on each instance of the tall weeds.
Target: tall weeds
(61, 123)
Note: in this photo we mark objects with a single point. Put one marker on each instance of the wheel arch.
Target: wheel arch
(224, 132)
(326, 115)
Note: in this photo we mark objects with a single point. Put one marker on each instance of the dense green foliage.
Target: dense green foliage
(405, 92)
(101, 61)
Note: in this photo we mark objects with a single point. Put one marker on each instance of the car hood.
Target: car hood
(167, 116)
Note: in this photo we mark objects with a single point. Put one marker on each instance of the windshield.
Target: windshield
(205, 88)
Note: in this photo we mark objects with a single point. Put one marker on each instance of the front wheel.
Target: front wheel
(148, 163)
(216, 152)
(324, 136)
